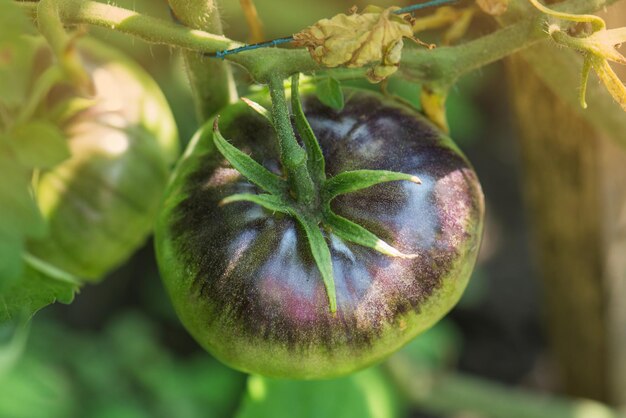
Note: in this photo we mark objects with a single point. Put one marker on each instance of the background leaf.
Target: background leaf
(329, 92)
(122, 371)
(33, 291)
(20, 218)
(39, 144)
(16, 53)
(362, 395)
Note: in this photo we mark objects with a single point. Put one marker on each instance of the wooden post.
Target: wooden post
(575, 188)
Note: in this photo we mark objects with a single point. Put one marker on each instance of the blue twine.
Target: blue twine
(432, 3)
(274, 42)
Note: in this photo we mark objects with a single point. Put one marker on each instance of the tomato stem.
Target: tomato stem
(63, 44)
(447, 63)
(212, 83)
(315, 159)
(292, 156)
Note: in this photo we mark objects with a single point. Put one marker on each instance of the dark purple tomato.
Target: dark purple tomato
(243, 280)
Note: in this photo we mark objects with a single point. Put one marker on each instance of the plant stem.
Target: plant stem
(445, 65)
(48, 79)
(441, 65)
(51, 27)
(452, 393)
(150, 29)
(293, 157)
(211, 80)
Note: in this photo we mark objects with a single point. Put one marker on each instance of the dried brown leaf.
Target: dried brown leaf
(373, 36)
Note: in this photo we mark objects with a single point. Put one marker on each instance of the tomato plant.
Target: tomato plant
(244, 281)
(300, 236)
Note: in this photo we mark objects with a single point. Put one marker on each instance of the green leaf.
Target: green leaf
(322, 257)
(366, 394)
(19, 209)
(39, 144)
(268, 201)
(259, 109)
(20, 218)
(13, 22)
(315, 157)
(11, 265)
(349, 231)
(68, 108)
(13, 336)
(16, 53)
(38, 387)
(328, 90)
(40, 285)
(249, 168)
(352, 181)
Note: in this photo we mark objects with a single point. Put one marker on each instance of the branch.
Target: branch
(150, 29)
(441, 65)
(446, 64)
(211, 81)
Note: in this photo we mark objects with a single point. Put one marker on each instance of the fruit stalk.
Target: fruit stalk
(212, 82)
(292, 156)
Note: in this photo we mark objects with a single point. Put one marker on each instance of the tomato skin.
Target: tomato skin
(100, 204)
(243, 281)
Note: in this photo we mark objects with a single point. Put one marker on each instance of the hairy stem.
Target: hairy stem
(441, 65)
(293, 157)
(211, 81)
(51, 27)
(150, 29)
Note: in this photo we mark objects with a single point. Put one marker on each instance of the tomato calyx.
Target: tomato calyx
(306, 192)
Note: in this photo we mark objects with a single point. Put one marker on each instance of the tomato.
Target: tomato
(243, 281)
(100, 204)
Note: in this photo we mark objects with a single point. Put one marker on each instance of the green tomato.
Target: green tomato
(243, 280)
(100, 203)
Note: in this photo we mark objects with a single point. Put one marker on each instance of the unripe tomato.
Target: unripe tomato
(243, 280)
(100, 203)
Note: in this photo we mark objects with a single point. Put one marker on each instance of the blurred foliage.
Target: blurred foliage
(26, 145)
(362, 395)
(125, 371)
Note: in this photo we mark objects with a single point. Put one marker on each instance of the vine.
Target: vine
(439, 65)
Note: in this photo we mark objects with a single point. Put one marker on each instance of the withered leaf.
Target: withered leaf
(373, 36)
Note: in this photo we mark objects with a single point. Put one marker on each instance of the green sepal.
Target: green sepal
(249, 168)
(39, 144)
(315, 157)
(261, 110)
(292, 156)
(352, 232)
(268, 201)
(322, 257)
(65, 110)
(582, 94)
(352, 181)
(328, 91)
